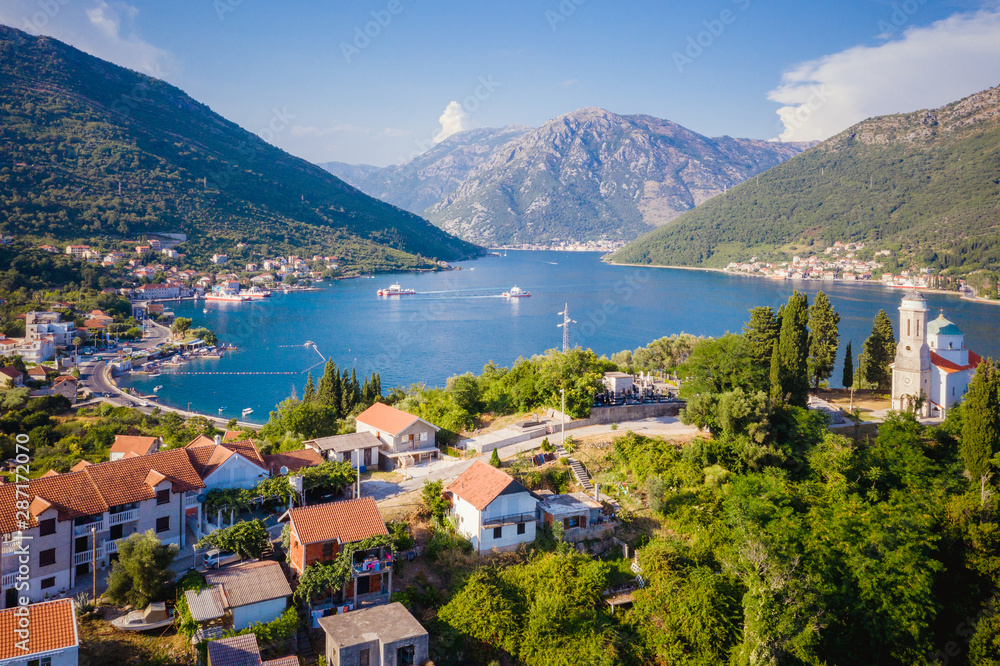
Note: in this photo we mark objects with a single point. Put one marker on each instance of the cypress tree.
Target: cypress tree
(760, 334)
(366, 391)
(347, 395)
(878, 352)
(824, 338)
(777, 394)
(981, 430)
(793, 350)
(495, 459)
(355, 389)
(376, 385)
(310, 393)
(337, 392)
(324, 392)
(848, 379)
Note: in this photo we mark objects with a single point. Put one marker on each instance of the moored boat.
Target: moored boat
(230, 296)
(256, 292)
(154, 616)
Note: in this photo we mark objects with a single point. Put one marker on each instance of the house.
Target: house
(579, 514)
(242, 651)
(618, 383)
(406, 439)
(39, 325)
(107, 502)
(319, 532)
(492, 509)
(251, 592)
(153, 291)
(280, 464)
(77, 251)
(66, 386)
(11, 377)
(49, 248)
(356, 448)
(219, 258)
(43, 634)
(8, 347)
(227, 464)
(379, 636)
(129, 445)
(38, 373)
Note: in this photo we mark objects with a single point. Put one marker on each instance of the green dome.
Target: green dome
(942, 326)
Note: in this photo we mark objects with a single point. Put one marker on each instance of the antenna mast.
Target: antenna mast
(565, 327)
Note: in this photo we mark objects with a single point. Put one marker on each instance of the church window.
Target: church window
(907, 327)
(950, 345)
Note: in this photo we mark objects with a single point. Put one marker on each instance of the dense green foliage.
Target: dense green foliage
(247, 538)
(793, 350)
(878, 352)
(326, 578)
(824, 337)
(981, 429)
(141, 573)
(75, 129)
(923, 183)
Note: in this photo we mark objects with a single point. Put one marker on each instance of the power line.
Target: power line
(565, 327)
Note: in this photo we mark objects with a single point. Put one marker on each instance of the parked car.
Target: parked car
(216, 559)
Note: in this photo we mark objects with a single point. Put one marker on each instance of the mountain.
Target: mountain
(90, 149)
(423, 181)
(923, 183)
(586, 175)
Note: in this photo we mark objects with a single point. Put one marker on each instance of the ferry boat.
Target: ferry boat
(231, 296)
(516, 292)
(256, 292)
(396, 290)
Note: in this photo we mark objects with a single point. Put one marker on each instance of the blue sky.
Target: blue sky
(370, 80)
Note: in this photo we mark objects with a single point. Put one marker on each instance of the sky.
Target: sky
(380, 81)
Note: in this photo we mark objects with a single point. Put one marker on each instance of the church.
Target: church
(931, 361)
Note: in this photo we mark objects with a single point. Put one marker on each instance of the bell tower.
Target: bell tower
(911, 372)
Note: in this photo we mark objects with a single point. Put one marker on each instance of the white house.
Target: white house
(492, 509)
(357, 448)
(406, 439)
(252, 592)
(52, 635)
(227, 464)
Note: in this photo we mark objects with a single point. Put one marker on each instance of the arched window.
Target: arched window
(908, 328)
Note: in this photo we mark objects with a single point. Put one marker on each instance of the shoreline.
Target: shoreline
(872, 283)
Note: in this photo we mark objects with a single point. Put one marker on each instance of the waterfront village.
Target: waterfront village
(252, 534)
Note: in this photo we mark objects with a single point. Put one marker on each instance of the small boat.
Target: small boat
(155, 616)
(222, 409)
(396, 290)
(247, 411)
(516, 292)
(204, 310)
(157, 388)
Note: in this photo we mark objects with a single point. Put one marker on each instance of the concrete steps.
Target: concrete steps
(580, 472)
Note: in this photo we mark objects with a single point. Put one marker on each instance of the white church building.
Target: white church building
(931, 360)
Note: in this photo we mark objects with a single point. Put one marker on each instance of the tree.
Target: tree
(465, 390)
(981, 430)
(774, 378)
(793, 350)
(181, 325)
(433, 498)
(878, 352)
(760, 333)
(248, 539)
(142, 570)
(310, 392)
(824, 338)
(848, 378)
(495, 459)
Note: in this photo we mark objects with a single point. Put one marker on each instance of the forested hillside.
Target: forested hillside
(926, 183)
(89, 149)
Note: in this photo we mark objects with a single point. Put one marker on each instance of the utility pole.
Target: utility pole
(565, 327)
(93, 536)
(563, 414)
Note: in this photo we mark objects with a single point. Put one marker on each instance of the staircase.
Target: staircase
(580, 472)
(304, 648)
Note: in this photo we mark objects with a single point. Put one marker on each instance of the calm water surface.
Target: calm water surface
(458, 321)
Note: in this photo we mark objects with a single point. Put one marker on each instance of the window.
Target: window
(364, 657)
(163, 496)
(47, 527)
(405, 655)
(116, 532)
(521, 528)
(163, 524)
(83, 569)
(48, 582)
(498, 532)
(44, 661)
(82, 544)
(47, 557)
(328, 549)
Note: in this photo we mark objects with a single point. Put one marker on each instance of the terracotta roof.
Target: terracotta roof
(49, 473)
(481, 484)
(64, 379)
(201, 440)
(130, 443)
(52, 625)
(349, 442)
(11, 372)
(293, 460)
(950, 367)
(251, 582)
(233, 436)
(37, 371)
(94, 323)
(206, 459)
(80, 465)
(346, 521)
(234, 651)
(388, 419)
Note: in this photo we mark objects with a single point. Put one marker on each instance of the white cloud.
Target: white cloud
(103, 30)
(453, 120)
(925, 68)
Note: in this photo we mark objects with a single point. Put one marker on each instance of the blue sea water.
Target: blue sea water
(458, 321)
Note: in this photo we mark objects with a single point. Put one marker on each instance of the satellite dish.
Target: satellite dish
(202, 497)
(283, 471)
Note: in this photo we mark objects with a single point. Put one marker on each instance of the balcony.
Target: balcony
(372, 565)
(109, 547)
(12, 547)
(191, 500)
(85, 556)
(80, 530)
(123, 517)
(509, 519)
(9, 579)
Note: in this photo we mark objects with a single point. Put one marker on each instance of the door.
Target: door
(82, 544)
(362, 584)
(368, 457)
(10, 598)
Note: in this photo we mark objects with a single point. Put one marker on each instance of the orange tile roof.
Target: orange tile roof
(80, 465)
(233, 436)
(346, 521)
(950, 367)
(49, 473)
(293, 460)
(206, 459)
(482, 483)
(52, 626)
(130, 443)
(201, 440)
(388, 419)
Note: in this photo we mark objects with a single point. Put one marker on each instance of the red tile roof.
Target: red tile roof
(52, 626)
(206, 459)
(134, 444)
(346, 521)
(481, 484)
(80, 465)
(293, 460)
(950, 367)
(201, 440)
(11, 372)
(388, 419)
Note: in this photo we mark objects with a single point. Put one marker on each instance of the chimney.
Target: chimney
(218, 440)
(597, 492)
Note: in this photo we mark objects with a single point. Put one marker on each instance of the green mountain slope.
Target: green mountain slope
(74, 129)
(926, 183)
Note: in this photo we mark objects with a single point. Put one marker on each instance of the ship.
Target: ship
(516, 292)
(396, 290)
(221, 295)
(256, 292)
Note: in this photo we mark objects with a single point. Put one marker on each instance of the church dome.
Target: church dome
(942, 326)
